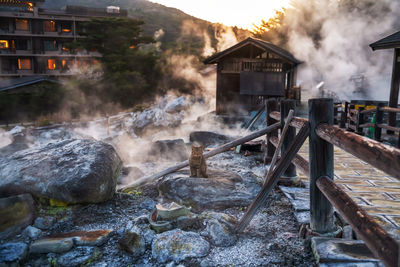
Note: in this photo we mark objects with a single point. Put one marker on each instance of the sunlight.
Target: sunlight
(229, 12)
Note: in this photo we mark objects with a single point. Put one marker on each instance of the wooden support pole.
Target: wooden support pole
(360, 121)
(214, 152)
(394, 88)
(381, 244)
(378, 120)
(321, 164)
(271, 182)
(381, 156)
(286, 106)
(272, 105)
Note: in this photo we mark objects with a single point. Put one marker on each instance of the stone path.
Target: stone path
(372, 189)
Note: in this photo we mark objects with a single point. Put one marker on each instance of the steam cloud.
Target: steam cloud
(332, 38)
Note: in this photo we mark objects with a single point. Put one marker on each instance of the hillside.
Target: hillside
(170, 20)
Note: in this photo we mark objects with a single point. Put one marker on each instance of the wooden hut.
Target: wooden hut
(251, 71)
(392, 42)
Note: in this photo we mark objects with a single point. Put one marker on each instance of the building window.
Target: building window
(50, 45)
(66, 27)
(63, 64)
(24, 64)
(21, 44)
(51, 64)
(21, 25)
(4, 44)
(49, 26)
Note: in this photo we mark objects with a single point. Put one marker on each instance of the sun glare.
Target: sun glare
(229, 12)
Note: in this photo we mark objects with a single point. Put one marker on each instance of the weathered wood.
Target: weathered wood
(390, 128)
(381, 244)
(378, 120)
(321, 164)
(360, 120)
(344, 115)
(367, 125)
(214, 152)
(271, 106)
(270, 183)
(286, 106)
(280, 142)
(381, 156)
(300, 162)
(296, 122)
(394, 88)
(389, 109)
(367, 111)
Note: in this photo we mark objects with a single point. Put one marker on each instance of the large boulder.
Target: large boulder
(178, 245)
(16, 212)
(205, 138)
(221, 189)
(73, 171)
(169, 150)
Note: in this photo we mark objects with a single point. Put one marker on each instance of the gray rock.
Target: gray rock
(73, 171)
(220, 190)
(205, 138)
(12, 253)
(176, 105)
(16, 213)
(79, 257)
(32, 232)
(221, 235)
(51, 245)
(133, 243)
(44, 223)
(177, 245)
(169, 150)
(155, 118)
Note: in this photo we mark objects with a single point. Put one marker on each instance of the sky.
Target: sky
(228, 12)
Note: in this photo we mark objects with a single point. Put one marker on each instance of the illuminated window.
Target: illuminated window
(24, 64)
(64, 64)
(49, 26)
(30, 6)
(21, 25)
(3, 44)
(66, 27)
(51, 64)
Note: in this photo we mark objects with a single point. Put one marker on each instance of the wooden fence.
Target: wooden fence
(367, 118)
(324, 193)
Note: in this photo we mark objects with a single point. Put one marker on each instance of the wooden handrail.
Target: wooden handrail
(390, 109)
(383, 157)
(381, 244)
(366, 111)
(366, 125)
(390, 128)
(296, 122)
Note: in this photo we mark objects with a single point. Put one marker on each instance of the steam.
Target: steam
(6, 138)
(332, 38)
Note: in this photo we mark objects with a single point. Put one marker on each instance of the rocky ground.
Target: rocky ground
(120, 231)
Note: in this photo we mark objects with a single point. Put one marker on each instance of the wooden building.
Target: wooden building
(392, 42)
(251, 71)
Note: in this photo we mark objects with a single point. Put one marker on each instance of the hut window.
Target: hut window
(50, 45)
(24, 64)
(49, 26)
(21, 25)
(51, 64)
(21, 44)
(4, 44)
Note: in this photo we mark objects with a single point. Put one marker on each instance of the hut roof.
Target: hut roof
(391, 41)
(12, 83)
(266, 46)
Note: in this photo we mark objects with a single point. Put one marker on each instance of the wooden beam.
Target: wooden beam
(381, 156)
(214, 152)
(296, 122)
(286, 107)
(271, 182)
(321, 164)
(394, 88)
(381, 244)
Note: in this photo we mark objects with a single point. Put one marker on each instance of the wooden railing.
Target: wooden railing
(368, 119)
(324, 193)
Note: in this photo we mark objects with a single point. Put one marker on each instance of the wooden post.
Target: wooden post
(343, 118)
(360, 121)
(272, 105)
(394, 89)
(321, 164)
(286, 106)
(378, 120)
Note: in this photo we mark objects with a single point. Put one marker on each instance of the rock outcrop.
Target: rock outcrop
(73, 171)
